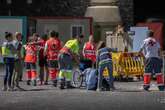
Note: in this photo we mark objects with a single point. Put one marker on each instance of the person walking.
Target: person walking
(152, 52)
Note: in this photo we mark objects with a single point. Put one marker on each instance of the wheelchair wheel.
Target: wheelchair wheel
(77, 79)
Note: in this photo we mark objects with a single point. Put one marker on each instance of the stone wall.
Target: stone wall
(61, 8)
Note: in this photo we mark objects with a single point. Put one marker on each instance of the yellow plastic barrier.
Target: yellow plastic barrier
(128, 64)
(116, 64)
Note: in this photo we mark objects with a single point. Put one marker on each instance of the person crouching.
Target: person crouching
(104, 60)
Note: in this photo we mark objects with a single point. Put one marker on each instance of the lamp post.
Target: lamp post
(29, 2)
(9, 2)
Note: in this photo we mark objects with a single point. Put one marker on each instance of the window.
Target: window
(77, 30)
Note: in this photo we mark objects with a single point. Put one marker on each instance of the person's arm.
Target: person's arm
(97, 59)
(76, 58)
(45, 49)
(142, 48)
(159, 50)
(83, 52)
(75, 53)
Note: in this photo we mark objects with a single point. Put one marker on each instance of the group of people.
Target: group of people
(52, 57)
(55, 60)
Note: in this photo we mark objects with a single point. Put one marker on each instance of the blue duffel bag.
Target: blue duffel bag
(91, 78)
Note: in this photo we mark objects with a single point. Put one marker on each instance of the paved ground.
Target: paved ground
(128, 96)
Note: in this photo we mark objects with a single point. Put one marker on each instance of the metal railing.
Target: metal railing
(120, 42)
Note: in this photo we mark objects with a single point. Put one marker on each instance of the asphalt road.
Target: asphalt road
(128, 96)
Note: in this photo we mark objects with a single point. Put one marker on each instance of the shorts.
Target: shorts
(30, 66)
(43, 62)
(52, 64)
(153, 65)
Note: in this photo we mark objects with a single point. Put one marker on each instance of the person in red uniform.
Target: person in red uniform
(89, 50)
(30, 61)
(42, 59)
(52, 48)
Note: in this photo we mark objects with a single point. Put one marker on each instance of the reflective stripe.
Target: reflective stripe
(33, 70)
(63, 70)
(105, 60)
(68, 70)
(147, 74)
(52, 68)
(160, 84)
(146, 84)
(68, 79)
(65, 50)
(159, 74)
(33, 79)
(102, 53)
(27, 70)
(89, 51)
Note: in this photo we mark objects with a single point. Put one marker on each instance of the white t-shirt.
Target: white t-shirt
(150, 48)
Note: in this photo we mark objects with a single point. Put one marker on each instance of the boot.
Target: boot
(34, 83)
(4, 88)
(18, 87)
(112, 87)
(161, 88)
(69, 85)
(28, 82)
(62, 84)
(55, 83)
(46, 83)
(10, 88)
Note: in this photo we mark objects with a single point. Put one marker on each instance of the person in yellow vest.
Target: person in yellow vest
(8, 53)
(69, 52)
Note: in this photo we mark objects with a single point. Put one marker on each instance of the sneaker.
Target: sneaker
(19, 88)
(10, 89)
(41, 83)
(4, 88)
(46, 83)
(100, 89)
(146, 88)
(69, 85)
